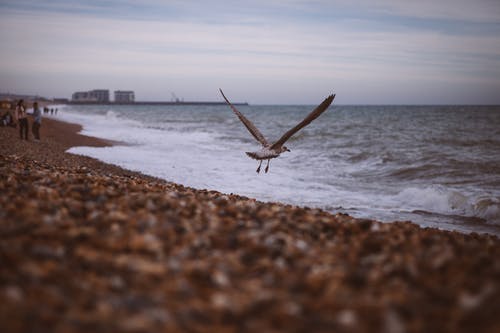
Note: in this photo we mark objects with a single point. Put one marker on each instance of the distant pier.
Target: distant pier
(186, 103)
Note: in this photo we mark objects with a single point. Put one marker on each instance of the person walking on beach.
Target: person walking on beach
(37, 122)
(22, 119)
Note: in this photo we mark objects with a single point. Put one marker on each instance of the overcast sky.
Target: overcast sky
(277, 52)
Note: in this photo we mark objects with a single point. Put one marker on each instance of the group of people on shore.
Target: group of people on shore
(46, 110)
(20, 118)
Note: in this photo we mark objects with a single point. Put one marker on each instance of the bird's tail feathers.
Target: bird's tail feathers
(252, 155)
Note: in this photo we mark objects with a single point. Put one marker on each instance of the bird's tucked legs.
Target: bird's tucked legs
(267, 166)
(258, 169)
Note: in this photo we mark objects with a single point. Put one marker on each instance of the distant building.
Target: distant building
(102, 95)
(81, 96)
(96, 95)
(124, 96)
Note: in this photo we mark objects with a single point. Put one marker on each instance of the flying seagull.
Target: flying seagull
(274, 150)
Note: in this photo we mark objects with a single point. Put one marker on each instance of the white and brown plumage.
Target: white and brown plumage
(274, 150)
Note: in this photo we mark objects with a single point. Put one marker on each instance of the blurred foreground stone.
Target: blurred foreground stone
(88, 251)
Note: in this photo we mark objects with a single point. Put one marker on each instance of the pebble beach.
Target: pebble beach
(89, 247)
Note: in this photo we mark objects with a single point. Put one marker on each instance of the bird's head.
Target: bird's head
(284, 149)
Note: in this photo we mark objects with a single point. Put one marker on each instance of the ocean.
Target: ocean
(438, 166)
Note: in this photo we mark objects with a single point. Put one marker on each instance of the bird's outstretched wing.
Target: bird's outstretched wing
(248, 124)
(307, 120)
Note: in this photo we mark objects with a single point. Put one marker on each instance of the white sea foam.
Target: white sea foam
(439, 199)
(489, 209)
(434, 199)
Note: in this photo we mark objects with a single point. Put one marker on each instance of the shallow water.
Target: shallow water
(438, 166)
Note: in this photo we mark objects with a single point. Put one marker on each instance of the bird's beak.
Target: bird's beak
(288, 150)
